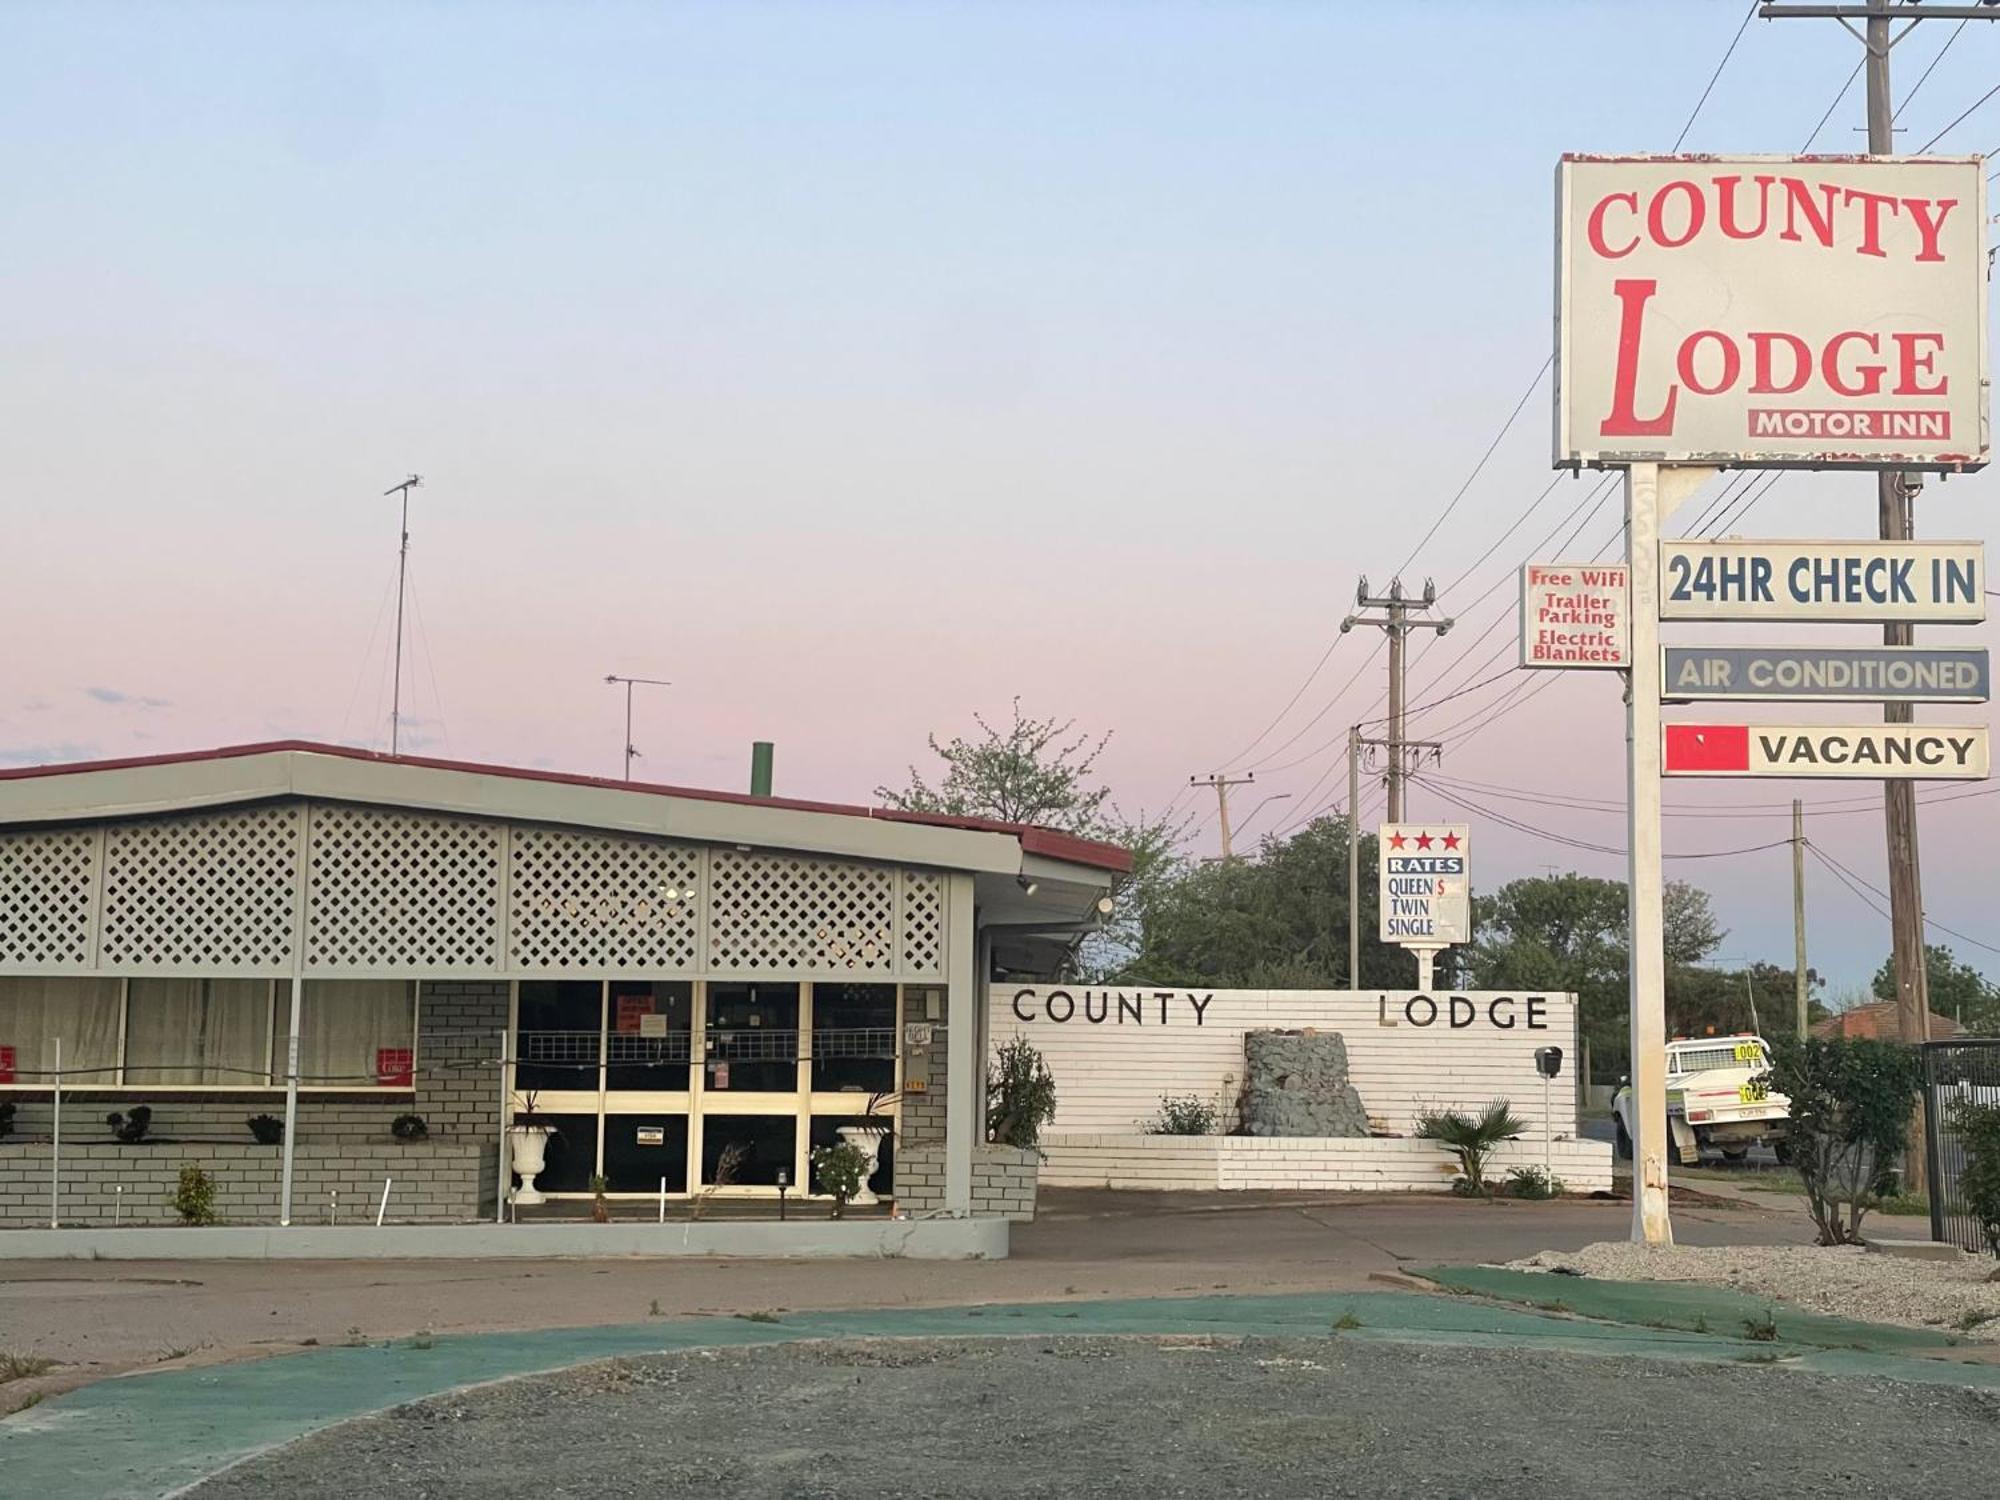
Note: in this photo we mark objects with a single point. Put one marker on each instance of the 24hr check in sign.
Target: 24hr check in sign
(1426, 891)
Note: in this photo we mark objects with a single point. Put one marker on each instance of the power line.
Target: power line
(1727, 53)
(1959, 121)
(1830, 861)
(1928, 71)
(1505, 428)
(1833, 106)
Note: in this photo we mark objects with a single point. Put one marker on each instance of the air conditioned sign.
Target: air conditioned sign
(1902, 674)
(1575, 615)
(1772, 311)
(1426, 892)
(1938, 583)
(1877, 752)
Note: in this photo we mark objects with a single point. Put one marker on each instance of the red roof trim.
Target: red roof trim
(1051, 843)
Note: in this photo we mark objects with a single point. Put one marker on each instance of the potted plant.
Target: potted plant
(528, 1147)
(409, 1127)
(842, 1173)
(867, 1140)
(600, 1206)
(131, 1127)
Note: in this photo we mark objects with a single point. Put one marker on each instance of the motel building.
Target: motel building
(690, 989)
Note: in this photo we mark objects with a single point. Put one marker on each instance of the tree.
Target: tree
(1037, 771)
(1568, 932)
(1850, 1102)
(1278, 921)
(1956, 988)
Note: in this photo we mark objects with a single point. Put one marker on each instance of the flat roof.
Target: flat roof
(1048, 843)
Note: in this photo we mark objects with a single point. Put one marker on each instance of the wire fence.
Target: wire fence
(1956, 1074)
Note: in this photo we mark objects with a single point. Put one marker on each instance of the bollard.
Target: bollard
(663, 1200)
(385, 1201)
(118, 1205)
(333, 1205)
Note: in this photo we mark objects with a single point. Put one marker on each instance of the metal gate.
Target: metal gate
(1967, 1070)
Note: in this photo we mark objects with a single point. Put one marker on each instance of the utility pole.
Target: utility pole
(1354, 857)
(1799, 912)
(1222, 783)
(1396, 622)
(632, 750)
(1894, 493)
(402, 573)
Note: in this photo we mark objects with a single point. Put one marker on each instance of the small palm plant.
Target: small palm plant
(1471, 1140)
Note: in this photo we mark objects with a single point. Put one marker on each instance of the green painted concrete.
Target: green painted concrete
(1683, 1305)
(157, 1433)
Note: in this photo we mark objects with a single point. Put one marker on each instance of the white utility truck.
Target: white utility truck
(1718, 1099)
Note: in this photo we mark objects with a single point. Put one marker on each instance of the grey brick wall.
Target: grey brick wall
(343, 1140)
(434, 1181)
(923, 1114)
(1003, 1181)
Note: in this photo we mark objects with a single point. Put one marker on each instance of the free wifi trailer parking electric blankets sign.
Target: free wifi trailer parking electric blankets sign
(1771, 311)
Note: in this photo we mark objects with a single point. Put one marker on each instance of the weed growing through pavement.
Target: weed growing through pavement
(1759, 1357)
(1346, 1322)
(1974, 1319)
(355, 1339)
(757, 1317)
(1558, 1306)
(22, 1366)
(1762, 1330)
(421, 1340)
(653, 1309)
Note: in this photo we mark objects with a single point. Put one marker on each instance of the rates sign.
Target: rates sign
(1771, 311)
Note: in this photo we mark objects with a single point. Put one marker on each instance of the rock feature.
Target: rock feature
(1295, 1084)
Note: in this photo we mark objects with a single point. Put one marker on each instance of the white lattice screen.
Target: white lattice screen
(920, 932)
(394, 892)
(786, 914)
(583, 902)
(210, 894)
(48, 883)
(409, 894)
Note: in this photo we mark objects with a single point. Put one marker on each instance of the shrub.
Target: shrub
(269, 1130)
(194, 1197)
(1471, 1140)
(600, 1206)
(1851, 1099)
(131, 1127)
(840, 1169)
(409, 1127)
(1978, 1128)
(1020, 1096)
(1535, 1182)
(1189, 1115)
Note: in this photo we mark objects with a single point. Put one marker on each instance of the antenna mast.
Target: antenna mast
(402, 572)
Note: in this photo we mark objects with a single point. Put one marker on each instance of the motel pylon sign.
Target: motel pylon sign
(1766, 312)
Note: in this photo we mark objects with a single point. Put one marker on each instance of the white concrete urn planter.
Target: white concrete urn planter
(867, 1139)
(529, 1148)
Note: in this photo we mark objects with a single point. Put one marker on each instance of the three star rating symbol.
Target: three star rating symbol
(1423, 840)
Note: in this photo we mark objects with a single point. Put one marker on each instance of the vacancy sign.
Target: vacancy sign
(1426, 892)
(1876, 752)
(1575, 615)
(1931, 583)
(1769, 311)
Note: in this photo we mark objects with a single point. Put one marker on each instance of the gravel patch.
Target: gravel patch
(1029, 1418)
(1846, 1282)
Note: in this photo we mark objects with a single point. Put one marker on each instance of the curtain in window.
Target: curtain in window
(357, 1033)
(198, 1031)
(83, 1012)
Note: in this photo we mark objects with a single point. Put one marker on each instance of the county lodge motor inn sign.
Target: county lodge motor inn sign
(1771, 311)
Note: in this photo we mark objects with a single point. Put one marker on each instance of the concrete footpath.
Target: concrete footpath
(152, 1435)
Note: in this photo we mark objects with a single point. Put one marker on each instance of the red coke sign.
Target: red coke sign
(1822, 311)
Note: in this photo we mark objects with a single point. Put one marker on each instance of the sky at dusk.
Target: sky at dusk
(858, 367)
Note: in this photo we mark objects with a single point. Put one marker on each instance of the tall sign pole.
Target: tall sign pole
(1894, 491)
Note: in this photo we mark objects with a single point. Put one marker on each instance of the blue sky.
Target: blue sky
(856, 367)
